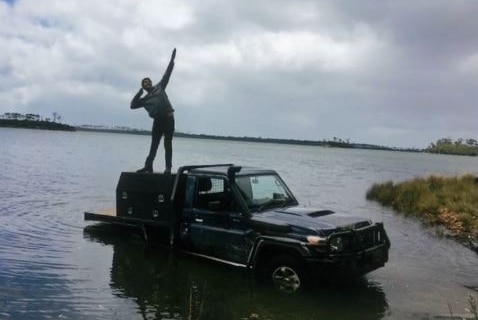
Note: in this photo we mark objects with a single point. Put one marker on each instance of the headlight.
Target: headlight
(316, 240)
(336, 244)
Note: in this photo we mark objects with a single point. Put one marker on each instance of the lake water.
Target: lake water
(53, 264)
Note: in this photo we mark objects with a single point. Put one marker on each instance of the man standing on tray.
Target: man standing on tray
(159, 108)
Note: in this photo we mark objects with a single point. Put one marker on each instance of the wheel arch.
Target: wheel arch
(266, 250)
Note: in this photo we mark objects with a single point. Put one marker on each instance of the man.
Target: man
(159, 108)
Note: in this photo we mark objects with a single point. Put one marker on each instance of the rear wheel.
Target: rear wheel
(286, 274)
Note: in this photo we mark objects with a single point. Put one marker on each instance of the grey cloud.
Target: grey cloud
(390, 73)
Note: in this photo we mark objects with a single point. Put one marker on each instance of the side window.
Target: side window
(190, 192)
(213, 194)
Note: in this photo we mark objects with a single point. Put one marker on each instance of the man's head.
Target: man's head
(146, 84)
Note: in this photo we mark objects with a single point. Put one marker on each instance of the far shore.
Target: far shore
(48, 125)
(35, 124)
(324, 143)
(443, 146)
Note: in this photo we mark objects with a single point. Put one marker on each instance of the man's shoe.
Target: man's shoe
(145, 170)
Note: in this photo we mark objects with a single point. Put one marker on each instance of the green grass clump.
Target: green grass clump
(448, 201)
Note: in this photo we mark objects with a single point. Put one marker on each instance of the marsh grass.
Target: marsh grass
(473, 306)
(450, 202)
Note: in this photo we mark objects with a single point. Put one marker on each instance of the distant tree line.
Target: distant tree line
(30, 117)
(33, 121)
(444, 146)
(467, 147)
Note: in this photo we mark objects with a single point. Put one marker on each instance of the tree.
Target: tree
(458, 147)
(56, 117)
(471, 142)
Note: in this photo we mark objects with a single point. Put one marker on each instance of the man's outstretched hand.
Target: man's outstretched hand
(173, 56)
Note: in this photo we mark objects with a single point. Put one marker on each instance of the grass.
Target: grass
(450, 202)
(473, 307)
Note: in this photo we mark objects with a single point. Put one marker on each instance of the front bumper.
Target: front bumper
(356, 264)
(361, 251)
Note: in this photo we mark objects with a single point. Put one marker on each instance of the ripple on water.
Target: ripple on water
(37, 277)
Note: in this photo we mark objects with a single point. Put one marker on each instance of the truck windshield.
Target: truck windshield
(264, 191)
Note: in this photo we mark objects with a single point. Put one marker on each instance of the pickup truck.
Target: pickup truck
(247, 217)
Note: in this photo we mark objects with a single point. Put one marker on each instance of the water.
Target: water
(53, 264)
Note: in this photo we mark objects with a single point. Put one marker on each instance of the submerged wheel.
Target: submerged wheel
(286, 274)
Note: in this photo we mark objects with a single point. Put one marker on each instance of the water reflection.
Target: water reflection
(169, 285)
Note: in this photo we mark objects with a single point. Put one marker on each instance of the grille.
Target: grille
(357, 240)
(369, 237)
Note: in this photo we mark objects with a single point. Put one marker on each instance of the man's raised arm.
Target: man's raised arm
(167, 74)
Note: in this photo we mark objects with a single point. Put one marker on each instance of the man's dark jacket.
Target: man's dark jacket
(156, 102)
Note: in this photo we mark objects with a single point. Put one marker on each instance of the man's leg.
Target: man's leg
(156, 134)
(168, 143)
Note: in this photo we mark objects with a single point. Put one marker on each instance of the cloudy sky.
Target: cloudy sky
(394, 73)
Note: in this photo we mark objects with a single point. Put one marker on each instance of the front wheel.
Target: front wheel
(286, 274)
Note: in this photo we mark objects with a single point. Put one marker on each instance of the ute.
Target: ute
(247, 217)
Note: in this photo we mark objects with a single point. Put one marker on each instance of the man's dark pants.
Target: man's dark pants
(161, 126)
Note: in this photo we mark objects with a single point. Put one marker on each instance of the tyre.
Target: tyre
(286, 274)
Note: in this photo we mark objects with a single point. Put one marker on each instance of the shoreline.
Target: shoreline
(35, 124)
(324, 143)
(446, 204)
(336, 143)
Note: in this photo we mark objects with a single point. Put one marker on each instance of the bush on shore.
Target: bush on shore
(451, 202)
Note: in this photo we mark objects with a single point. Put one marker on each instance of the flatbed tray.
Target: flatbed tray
(109, 216)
